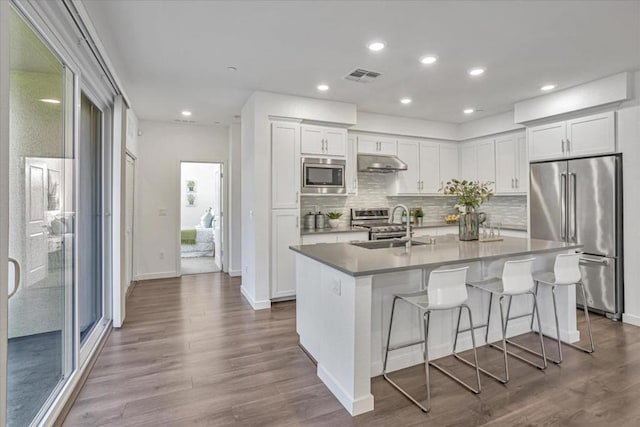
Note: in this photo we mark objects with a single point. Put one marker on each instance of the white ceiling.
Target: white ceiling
(173, 55)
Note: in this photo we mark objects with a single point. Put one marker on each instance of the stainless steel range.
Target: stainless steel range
(377, 221)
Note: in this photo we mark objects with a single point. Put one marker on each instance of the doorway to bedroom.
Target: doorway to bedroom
(201, 217)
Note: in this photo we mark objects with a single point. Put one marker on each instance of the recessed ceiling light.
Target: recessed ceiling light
(323, 87)
(405, 100)
(186, 113)
(547, 87)
(50, 101)
(476, 71)
(468, 110)
(429, 59)
(376, 46)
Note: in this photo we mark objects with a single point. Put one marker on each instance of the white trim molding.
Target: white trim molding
(256, 305)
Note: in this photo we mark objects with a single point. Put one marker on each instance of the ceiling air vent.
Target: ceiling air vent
(361, 75)
(183, 121)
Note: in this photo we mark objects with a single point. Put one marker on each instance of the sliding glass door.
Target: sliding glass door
(41, 223)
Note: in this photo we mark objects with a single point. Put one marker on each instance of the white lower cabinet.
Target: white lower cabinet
(435, 231)
(312, 239)
(285, 232)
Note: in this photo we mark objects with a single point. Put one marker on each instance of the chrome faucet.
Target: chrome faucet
(406, 209)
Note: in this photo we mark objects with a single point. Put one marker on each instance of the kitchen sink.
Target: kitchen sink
(386, 244)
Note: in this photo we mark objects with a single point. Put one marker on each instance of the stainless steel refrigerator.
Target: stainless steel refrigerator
(580, 200)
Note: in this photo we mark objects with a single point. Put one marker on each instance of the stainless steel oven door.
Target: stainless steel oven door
(323, 176)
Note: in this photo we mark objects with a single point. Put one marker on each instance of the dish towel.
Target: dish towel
(188, 237)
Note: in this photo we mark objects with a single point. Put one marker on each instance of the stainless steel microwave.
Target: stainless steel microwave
(323, 176)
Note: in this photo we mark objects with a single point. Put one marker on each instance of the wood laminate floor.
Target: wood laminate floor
(193, 352)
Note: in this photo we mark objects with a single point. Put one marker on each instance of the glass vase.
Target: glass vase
(468, 226)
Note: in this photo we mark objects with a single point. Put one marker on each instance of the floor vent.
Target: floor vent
(362, 76)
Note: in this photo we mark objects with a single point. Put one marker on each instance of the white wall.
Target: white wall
(162, 146)
(629, 144)
(490, 125)
(380, 123)
(256, 178)
(235, 201)
(207, 192)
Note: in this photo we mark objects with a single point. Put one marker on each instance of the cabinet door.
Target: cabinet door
(388, 146)
(351, 172)
(522, 175)
(285, 166)
(285, 232)
(408, 181)
(335, 141)
(429, 167)
(448, 163)
(368, 145)
(312, 140)
(313, 239)
(468, 161)
(487, 162)
(545, 141)
(506, 165)
(591, 135)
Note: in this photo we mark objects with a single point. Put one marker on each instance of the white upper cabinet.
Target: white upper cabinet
(512, 166)
(468, 161)
(428, 165)
(371, 144)
(448, 163)
(351, 172)
(589, 135)
(408, 182)
(285, 165)
(321, 140)
(487, 161)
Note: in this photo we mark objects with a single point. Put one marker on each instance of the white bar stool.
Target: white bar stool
(516, 280)
(566, 271)
(446, 290)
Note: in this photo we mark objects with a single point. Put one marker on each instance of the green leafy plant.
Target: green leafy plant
(470, 194)
(419, 213)
(334, 215)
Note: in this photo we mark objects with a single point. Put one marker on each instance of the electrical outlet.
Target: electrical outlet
(161, 254)
(162, 212)
(337, 287)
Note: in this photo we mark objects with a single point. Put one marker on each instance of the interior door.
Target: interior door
(36, 225)
(218, 215)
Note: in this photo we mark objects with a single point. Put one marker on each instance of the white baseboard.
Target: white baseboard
(160, 275)
(256, 305)
(356, 406)
(631, 319)
(235, 273)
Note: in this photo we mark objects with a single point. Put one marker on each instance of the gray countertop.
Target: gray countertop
(426, 224)
(357, 261)
(342, 229)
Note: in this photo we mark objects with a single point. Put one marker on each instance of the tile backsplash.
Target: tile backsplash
(373, 190)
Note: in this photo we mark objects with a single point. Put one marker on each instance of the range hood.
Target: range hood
(380, 164)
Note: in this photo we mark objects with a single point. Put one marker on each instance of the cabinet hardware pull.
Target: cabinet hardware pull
(568, 146)
(297, 221)
(512, 183)
(418, 185)
(297, 194)
(517, 183)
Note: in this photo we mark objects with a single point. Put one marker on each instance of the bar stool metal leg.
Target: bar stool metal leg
(591, 348)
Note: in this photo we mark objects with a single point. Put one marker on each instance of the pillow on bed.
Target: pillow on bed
(58, 227)
(206, 220)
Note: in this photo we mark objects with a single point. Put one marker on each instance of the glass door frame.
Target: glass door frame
(86, 348)
(47, 30)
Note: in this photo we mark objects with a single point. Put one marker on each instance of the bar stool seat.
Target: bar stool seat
(445, 290)
(566, 272)
(516, 280)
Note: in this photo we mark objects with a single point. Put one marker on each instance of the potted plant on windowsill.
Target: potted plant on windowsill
(419, 217)
(334, 219)
(470, 196)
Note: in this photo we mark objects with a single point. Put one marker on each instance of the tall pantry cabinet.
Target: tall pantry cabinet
(285, 207)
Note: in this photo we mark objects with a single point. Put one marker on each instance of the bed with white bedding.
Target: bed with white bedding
(204, 245)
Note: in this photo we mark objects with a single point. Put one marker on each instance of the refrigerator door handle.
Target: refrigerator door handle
(572, 208)
(602, 261)
(563, 205)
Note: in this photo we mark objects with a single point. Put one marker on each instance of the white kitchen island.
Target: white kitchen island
(344, 295)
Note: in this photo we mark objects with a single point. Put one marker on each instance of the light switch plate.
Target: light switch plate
(162, 212)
